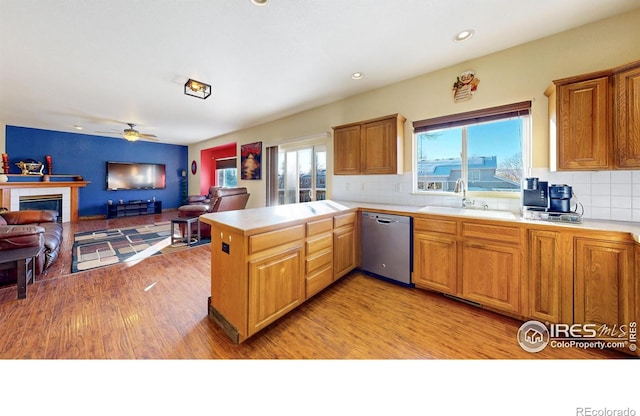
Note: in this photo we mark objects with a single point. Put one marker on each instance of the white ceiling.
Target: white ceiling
(102, 63)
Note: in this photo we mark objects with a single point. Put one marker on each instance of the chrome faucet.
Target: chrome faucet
(460, 187)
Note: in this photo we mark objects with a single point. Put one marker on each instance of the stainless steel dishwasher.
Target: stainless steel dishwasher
(386, 246)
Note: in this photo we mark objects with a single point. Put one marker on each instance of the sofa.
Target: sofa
(28, 228)
(218, 199)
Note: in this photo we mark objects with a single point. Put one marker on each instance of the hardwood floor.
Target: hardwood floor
(157, 309)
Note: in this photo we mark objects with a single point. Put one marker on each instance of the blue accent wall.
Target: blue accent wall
(87, 156)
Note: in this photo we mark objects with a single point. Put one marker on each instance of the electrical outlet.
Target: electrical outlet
(397, 187)
(347, 186)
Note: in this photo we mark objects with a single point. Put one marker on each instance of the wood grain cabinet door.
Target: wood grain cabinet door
(603, 282)
(346, 150)
(584, 114)
(435, 262)
(491, 274)
(380, 147)
(546, 265)
(627, 118)
(344, 251)
(276, 286)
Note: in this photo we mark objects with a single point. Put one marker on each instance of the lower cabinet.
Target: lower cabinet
(550, 272)
(603, 282)
(480, 261)
(435, 264)
(258, 277)
(345, 241)
(275, 287)
(492, 258)
(492, 275)
(319, 262)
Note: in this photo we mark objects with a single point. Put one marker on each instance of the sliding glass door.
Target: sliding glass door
(302, 174)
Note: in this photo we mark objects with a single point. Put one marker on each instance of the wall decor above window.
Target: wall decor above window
(465, 86)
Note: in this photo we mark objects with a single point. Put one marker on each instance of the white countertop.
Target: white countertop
(267, 217)
(603, 225)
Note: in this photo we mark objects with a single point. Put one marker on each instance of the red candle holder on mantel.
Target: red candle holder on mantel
(5, 163)
(49, 164)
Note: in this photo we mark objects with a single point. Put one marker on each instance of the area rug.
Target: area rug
(94, 249)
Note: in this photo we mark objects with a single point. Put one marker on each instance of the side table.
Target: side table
(186, 222)
(24, 260)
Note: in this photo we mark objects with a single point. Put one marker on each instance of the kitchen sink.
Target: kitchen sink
(469, 212)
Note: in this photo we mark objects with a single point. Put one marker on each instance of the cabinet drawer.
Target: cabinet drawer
(318, 281)
(492, 232)
(344, 219)
(435, 226)
(275, 238)
(319, 261)
(318, 244)
(319, 227)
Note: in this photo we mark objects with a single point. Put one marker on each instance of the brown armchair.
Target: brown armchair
(218, 199)
(29, 228)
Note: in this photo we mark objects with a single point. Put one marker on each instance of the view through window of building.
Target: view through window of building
(302, 174)
(484, 149)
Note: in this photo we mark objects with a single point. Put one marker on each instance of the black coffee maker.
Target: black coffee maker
(560, 198)
(535, 196)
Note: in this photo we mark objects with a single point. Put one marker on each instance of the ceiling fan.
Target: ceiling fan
(132, 135)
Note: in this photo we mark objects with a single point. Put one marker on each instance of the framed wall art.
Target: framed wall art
(251, 161)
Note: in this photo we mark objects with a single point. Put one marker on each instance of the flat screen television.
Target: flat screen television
(124, 175)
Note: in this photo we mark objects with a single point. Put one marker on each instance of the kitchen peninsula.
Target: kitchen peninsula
(267, 261)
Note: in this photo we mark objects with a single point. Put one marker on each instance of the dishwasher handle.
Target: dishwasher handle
(385, 220)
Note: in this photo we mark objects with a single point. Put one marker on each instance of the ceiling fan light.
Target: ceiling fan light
(197, 89)
(131, 136)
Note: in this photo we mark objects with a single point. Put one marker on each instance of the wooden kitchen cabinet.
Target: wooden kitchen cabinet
(319, 261)
(346, 150)
(627, 116)
(369, 147)
(583, 124)
(276, 275)
(492, 260)
(264, 263)
(435, 263)
(275, 287)
(345, 244)
(604, 282)
(550, 275)
(595, 120)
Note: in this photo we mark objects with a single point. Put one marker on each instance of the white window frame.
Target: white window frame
(524, 109)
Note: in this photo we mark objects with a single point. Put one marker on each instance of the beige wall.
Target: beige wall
(517, 74)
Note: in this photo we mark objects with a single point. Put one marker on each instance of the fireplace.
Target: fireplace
(11, 192)
(20, 194)
(52, 202)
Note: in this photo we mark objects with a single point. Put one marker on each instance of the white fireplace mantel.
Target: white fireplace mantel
(10, 193)
(64, 191)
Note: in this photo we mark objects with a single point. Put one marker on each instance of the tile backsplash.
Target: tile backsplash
(607, 195)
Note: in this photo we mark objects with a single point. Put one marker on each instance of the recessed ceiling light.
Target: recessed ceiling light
(259, 2)
(357, 75)
(464, 35)
(77, 127)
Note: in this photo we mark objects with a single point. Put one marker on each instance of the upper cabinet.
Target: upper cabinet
(626, 109)
(369, 147)
(595, 120)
